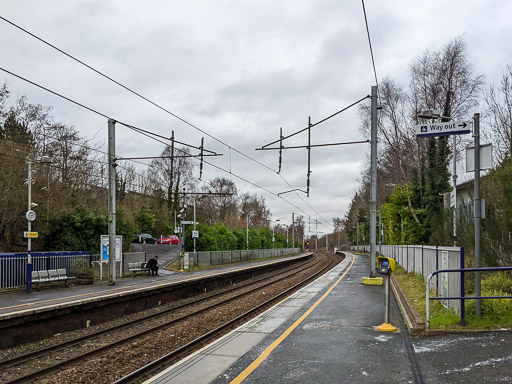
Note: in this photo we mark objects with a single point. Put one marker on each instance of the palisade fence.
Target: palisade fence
(209, 258)
(425, 259)
(13, 266)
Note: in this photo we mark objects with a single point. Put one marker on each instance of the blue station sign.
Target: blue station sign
(443, 129)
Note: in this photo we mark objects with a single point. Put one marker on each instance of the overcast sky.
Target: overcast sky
(240, 70)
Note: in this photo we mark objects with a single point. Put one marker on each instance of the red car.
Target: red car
(171, 239)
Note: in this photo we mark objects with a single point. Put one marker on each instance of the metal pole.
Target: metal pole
(358, 236)
(326, 242)
(373, 182)
(309, 154)
(182, 258)
(454, 191)
(293, 230)
(194, 223)
(29, 240)
(273, 237)
(380, 233)
(247, 232)
(386, 299)
(477, 208)
(111, 202)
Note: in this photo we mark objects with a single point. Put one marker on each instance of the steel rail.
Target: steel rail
(163, 361)
(53, 368)
(31, 355)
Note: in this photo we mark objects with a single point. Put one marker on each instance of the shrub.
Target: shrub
(497, 307)
(498, 282)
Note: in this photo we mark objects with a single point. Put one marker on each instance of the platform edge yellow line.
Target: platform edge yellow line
(256, 363)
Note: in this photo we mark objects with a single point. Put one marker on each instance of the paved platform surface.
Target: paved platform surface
(326, 333)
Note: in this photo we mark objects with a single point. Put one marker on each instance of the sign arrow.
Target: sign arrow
(463, 125)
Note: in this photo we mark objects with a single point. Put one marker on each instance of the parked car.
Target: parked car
(143, 238)
(169, 239)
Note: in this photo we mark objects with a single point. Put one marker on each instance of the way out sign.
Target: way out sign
(443, 129)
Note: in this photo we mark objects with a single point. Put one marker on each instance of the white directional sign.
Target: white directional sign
(485, 157)
(443, 129)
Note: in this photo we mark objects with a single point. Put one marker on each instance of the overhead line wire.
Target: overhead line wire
(151, 102)
(226, 171)
(319, 122)
(134, 92)
(370, 43)
(154, 138)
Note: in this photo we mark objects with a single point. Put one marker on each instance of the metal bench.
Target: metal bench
(138, 267)
(50, 276)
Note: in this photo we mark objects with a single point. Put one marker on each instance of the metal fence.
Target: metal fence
(425, 259)
(13, 266)
(209, 258)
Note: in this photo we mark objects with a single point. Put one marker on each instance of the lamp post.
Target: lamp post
(293, 230)
(273, 233)
(247, 231)
(31, 216)
(181, 216)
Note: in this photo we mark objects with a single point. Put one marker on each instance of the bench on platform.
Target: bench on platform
(138, 267)
(51, 276)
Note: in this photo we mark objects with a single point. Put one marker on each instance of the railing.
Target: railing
(13, 266)
(462, 298)
(209, 258)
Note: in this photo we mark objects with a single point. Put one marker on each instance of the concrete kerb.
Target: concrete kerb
(412, 318)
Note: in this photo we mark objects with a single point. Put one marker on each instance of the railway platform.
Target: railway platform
(13, 302)
(326, 333)
(27, 317)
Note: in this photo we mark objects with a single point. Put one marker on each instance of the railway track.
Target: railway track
(202, 314)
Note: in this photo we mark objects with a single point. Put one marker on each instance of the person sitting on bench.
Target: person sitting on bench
(153, 264)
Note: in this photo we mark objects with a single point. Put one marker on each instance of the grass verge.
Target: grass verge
(496, 314)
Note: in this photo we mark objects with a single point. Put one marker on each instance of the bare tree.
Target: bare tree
(173, 173)
(219, 208)
(445, 80)
(499, 104)
(255, 206)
